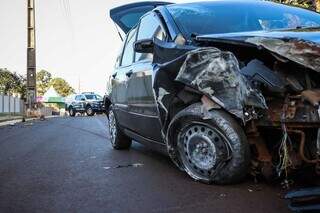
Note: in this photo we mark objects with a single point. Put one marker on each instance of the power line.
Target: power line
(66, 10)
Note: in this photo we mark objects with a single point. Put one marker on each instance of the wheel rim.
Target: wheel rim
(71, 111)
(89, 111)
(201, 149)
(112, 127)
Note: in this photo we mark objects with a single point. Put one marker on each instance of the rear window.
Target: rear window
(130, 20)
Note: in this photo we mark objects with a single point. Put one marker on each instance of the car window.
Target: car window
(93, 97)
(118, 60)
(128, 52)
(78, 98)
(130, 19)
(149, 27)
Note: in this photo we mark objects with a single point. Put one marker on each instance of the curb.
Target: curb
(15, 121)
(10, 119)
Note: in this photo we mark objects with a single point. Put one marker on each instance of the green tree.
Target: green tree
(62, 86)
(317, 5)
(7, 81)
(12, 83)
(43, 81)
(21, 86)
(310, 4)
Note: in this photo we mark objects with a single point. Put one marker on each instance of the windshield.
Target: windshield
(93, 97)
(232, 16)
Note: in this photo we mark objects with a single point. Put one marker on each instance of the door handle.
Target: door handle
(114, 75)
(129, 73)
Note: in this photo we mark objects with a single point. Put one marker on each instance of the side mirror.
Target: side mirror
(143, 46)
(83, 99)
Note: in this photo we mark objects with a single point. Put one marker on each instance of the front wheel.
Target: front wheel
(72, 112)
(212, 150)
(118, 139)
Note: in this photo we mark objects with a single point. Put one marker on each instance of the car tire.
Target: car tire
(72, 112)
(211, 150)
(89, 111)
(117, 138)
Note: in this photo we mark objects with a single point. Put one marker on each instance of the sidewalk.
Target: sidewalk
(4, 118)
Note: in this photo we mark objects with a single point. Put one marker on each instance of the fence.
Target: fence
(10, 105)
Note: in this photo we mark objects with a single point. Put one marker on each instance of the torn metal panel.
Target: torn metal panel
(305, 53)
(162, 92)
(165, 71)
(209, 104)
(216, 73)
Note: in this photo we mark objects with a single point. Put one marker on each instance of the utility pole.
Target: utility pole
(31, 56)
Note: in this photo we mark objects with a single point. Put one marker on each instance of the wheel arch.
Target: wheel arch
(107, 103)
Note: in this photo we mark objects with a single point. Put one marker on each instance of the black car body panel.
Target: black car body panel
(266, 80)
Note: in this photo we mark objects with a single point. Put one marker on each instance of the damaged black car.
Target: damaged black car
(224, 87)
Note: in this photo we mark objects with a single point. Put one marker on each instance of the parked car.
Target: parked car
(222, 86)
(89, 103)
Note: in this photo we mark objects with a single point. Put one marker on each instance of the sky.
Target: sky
(79, 46)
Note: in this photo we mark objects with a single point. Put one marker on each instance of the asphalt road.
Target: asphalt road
(68, 165)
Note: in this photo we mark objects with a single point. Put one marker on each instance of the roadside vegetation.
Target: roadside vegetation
(12, 83)
(309, 4)
(45, 81)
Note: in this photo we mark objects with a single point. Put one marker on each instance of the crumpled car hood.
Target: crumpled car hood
(301, 46)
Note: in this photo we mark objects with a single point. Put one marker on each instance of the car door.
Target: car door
(126, 17)
(77, 103)
(140, 96)
(120, 82)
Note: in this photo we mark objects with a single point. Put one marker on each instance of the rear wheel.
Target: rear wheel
(72, 112)
(89, 111)
(212, 150)
(118, 139)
